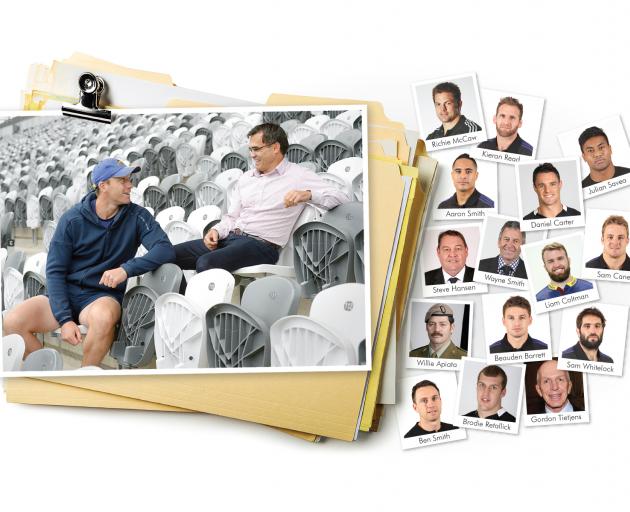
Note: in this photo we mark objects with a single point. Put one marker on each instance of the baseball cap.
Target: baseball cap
(438, 310)
(111, 168)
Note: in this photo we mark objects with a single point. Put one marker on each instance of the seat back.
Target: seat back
(297, 153)
(186, 159)
(322, 257)
(60, 205)
(179, 232)
(15, 259)
(271, 298)
(299, 132)
(234, 160)
(342, 308)
(208, 166)
(170, 214)
(34, 284)
(210, 287)
(329, 152)
(347, 217)
(303, 341)
(43, 360)
(209, 193)
(36, 263)
(134, 347)
(359, 258)
(12, 352)
(201, 217)
(180, 334)
(236, 338)
(181, 195)
(48, 232)
(333, 127)
(7, 230)
(154, 197)
(164, 279)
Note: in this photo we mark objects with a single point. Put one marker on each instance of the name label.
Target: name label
(567, 300)
(456, 140)
(521, 357)
(536, 420)
(589, 366)
(606, 186)
(505, 427)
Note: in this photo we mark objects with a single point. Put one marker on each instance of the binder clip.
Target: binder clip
(91, 88)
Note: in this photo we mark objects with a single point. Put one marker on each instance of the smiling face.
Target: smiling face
(464, 175)
(547, 188)
(553, 385)
(266, 157)
(597, 153)
(509, 244)
(428, 404)
(557, 265)
(615, 240)
(489, 394)
(591, 332)
(507, 120)
(117, 190)
(445, 107)
(452, 253)
(516, 321)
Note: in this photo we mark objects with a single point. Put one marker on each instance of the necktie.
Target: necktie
(505, 270)
(453, 279)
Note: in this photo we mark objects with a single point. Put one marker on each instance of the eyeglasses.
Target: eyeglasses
(257, 149)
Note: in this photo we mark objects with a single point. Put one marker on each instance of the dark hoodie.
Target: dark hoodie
(82, 249)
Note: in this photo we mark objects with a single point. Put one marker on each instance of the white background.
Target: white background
(576, 58)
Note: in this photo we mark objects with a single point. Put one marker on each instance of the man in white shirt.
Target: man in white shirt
(267, 202)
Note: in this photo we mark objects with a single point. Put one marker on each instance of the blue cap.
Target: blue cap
(111, 168)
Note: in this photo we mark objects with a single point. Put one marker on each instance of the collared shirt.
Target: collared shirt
(476, 200)
(518, 146)
(438, 354)
(573, 285)
(459, 276)
(503, 345)
(258, 207)
(576, 352)
(567, 408)
(600, 262)
(566, 211)
(512, 266)
(463, 126)
(619, 171)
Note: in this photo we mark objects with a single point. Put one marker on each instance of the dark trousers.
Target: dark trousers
(232, 253)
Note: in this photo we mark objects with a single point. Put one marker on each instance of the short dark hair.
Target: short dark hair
(494, 371)
(448, 87)
(543, 168)
(451, 232)
(422, 384)
(509, 100)
(589, 133)
(271, 133)
(517, 301)
(615, 219)
(589, 311)
(467, 157)
(512, 224)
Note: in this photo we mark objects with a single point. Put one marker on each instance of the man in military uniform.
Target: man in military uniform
(440, 325)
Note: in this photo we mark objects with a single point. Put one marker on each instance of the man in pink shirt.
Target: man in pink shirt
(267, 201)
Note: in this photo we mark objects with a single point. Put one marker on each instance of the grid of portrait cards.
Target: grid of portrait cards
(521, 283)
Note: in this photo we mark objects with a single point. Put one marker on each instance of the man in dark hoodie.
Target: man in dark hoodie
(91, 255)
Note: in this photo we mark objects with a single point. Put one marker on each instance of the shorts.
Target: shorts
(82, 300)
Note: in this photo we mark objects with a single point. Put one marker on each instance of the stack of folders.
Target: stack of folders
(307, 405)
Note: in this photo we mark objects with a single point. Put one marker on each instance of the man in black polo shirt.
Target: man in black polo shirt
(547, 185)
(597, 153)
(464, 175)
(590, 324)
(447, 99)
(508, 119)
(615, 242)
(427, 402)
(517, 317)
(491, 388)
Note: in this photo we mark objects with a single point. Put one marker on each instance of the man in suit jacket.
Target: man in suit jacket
(439, 321)
(508, 262)
(452, 251)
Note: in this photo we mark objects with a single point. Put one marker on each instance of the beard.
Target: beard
(558, 278)
(591, 345)
(503, 132)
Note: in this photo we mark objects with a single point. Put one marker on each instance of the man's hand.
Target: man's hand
(295, 197)
(70, 333)
(211, 240)
(112, 278)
